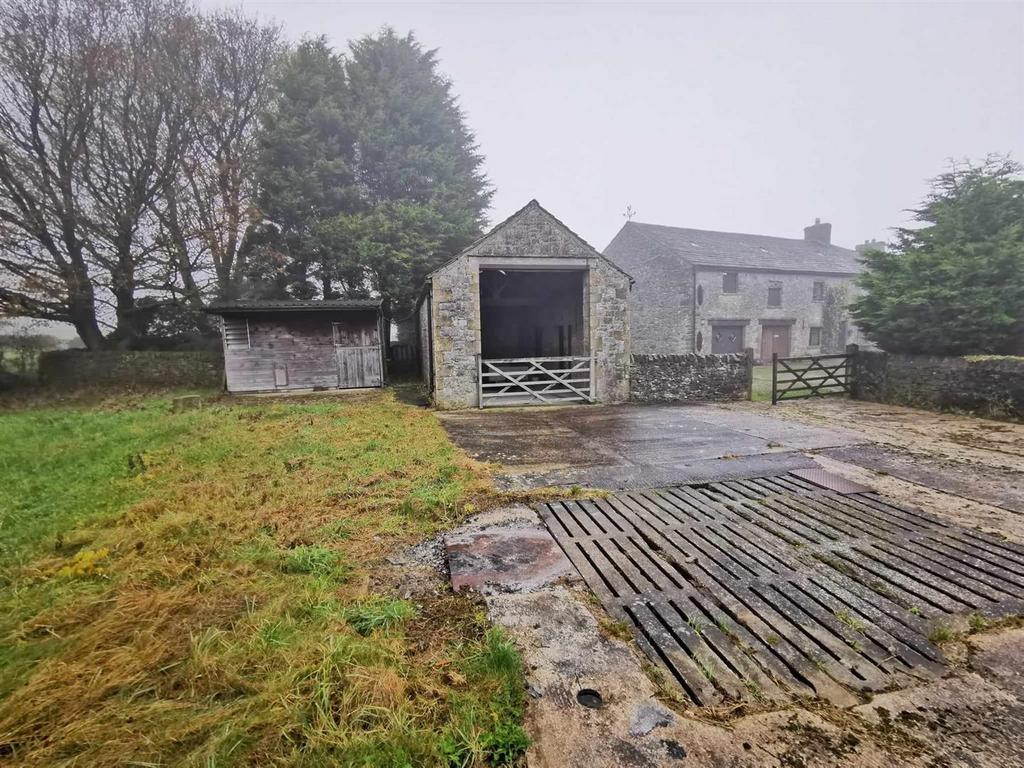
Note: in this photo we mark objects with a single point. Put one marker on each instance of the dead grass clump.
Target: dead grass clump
(446, 620)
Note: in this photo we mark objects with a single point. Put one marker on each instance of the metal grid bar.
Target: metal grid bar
(774, 588)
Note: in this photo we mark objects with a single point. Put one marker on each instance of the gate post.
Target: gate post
(479, 381)
(851, 369)
(775, 374)
(749, 352)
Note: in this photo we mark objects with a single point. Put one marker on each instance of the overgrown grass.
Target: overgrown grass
(191, 588)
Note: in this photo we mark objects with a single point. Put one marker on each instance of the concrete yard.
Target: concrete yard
(873, 623)
(630, 446)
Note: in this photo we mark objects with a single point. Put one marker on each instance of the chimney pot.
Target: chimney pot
(818, 232)
(870, 245)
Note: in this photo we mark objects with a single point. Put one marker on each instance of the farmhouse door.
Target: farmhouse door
(726, 339)
(358, 352)
(774, 340)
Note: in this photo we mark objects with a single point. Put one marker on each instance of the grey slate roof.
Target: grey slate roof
(291, 305)
(703, 247)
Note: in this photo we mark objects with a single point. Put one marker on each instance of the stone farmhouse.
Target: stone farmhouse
(528, 314)
(718, 292)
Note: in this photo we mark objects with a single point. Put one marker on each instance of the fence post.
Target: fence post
(749, 352)
(479, 381)
(851, 368)
(775, 368)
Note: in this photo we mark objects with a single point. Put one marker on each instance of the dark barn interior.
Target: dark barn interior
(531, 313)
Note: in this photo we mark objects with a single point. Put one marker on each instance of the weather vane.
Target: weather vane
(629, 213)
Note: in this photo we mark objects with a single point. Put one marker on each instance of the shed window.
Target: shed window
(700, 295)
(774, 294)
(818, 292)
(730, 282)
(236, 333)
(815, 340)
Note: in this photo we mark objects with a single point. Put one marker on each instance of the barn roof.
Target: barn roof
(702, 247)
(493, 243)
(291, 305)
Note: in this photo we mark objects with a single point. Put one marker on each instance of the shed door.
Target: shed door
(726, 339)
(774, 339)
(358, 352)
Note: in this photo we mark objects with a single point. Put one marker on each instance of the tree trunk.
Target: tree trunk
(81, 297)
(88, 330)
(128, 328)
(179, 243)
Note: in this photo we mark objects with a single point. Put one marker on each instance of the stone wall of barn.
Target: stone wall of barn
(608, 291)
(692, 377)
(455, 323)
(423, 343)
(661, 302)
(988, 386)
(530, 239)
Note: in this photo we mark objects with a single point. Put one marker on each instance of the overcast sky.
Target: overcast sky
(738, 117)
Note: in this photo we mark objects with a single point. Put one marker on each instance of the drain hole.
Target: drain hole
(590, 698)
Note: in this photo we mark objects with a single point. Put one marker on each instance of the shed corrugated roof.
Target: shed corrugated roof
(291, 305)
(734, 249)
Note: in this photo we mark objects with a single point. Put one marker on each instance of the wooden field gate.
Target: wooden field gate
(535, 381)
(812, 376)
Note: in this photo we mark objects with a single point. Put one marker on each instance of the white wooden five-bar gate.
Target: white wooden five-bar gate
(535, 381)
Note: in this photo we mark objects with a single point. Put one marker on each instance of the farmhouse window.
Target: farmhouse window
(730, 282)
(700, 295)
(774, 294)
(236, 333)
(815, 340)
(818, 292)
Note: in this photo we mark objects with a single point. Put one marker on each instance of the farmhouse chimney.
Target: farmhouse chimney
(870, 245)
(818, 233)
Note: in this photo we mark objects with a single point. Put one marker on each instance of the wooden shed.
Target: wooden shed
(301, 345)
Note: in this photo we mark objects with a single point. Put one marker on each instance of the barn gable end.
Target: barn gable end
(531, 288)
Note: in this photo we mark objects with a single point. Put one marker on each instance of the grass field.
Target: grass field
(762, 390)
(195, 589)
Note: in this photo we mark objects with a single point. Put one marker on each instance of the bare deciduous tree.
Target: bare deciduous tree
(127, 152)
(139, 137)
(54, 65)
(207, 208)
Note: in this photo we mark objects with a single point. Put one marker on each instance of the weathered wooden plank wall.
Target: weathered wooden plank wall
(286, 351)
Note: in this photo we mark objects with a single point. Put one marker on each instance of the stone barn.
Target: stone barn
(273, 346)
(529, 314)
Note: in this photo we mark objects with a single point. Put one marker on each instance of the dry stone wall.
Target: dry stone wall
(679, 378)
(988, 386)
(76, 369)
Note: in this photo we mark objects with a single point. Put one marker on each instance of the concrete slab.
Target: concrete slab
(1001, 488)
(621, 477)
(503, 559)
(632, 446)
